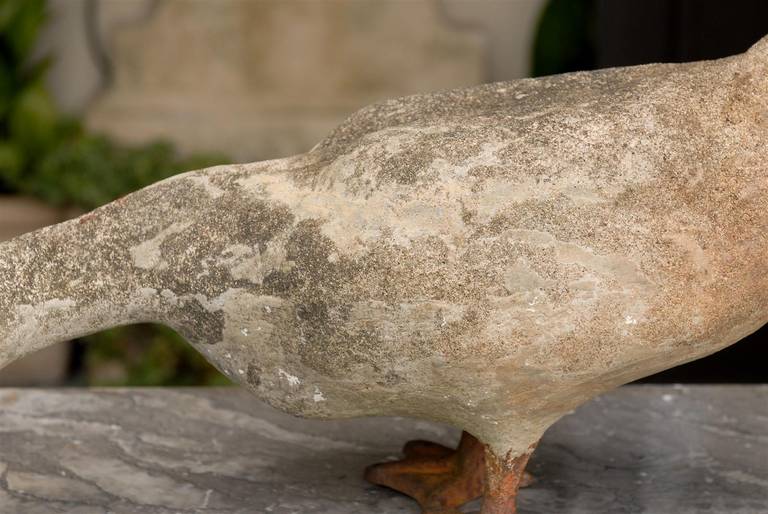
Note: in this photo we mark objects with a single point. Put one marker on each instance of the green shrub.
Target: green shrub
(565, 37)
(145, 355)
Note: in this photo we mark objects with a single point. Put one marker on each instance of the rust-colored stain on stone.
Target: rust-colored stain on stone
(489, 257)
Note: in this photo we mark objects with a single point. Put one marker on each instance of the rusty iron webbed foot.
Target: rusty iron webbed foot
(442, 479)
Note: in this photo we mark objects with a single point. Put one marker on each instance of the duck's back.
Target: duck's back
(550, 237)
(572, 220)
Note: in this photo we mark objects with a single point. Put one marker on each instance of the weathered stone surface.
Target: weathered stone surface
(660, 450)
(264, 79)
(489, 257)
(48, 366)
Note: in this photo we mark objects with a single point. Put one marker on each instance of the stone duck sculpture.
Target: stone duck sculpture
(490, 257)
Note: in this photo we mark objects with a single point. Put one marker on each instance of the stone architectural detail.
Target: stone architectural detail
(264, 79)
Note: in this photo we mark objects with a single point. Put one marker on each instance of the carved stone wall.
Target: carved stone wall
(268, 78)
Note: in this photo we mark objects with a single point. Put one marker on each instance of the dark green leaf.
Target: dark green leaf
(564, 39)
(33, 120)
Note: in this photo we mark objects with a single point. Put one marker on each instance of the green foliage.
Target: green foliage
(46, 155)
(565, 38)
(89, 171)
(51, 157)
(33, 122)
(27, 118)
(146, 355)
(20, 23)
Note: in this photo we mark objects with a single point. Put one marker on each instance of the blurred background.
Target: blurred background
(101, 97)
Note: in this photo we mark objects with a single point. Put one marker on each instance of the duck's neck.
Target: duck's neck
(58, 284)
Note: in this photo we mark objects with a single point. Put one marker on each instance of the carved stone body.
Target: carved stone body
(489, 257)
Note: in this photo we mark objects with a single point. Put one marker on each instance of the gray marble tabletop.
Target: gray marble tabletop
(641, 449)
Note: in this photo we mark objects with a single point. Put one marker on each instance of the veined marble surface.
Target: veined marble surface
(639, 449)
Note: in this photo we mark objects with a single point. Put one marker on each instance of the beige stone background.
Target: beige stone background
(259, 79)
(256, 79)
